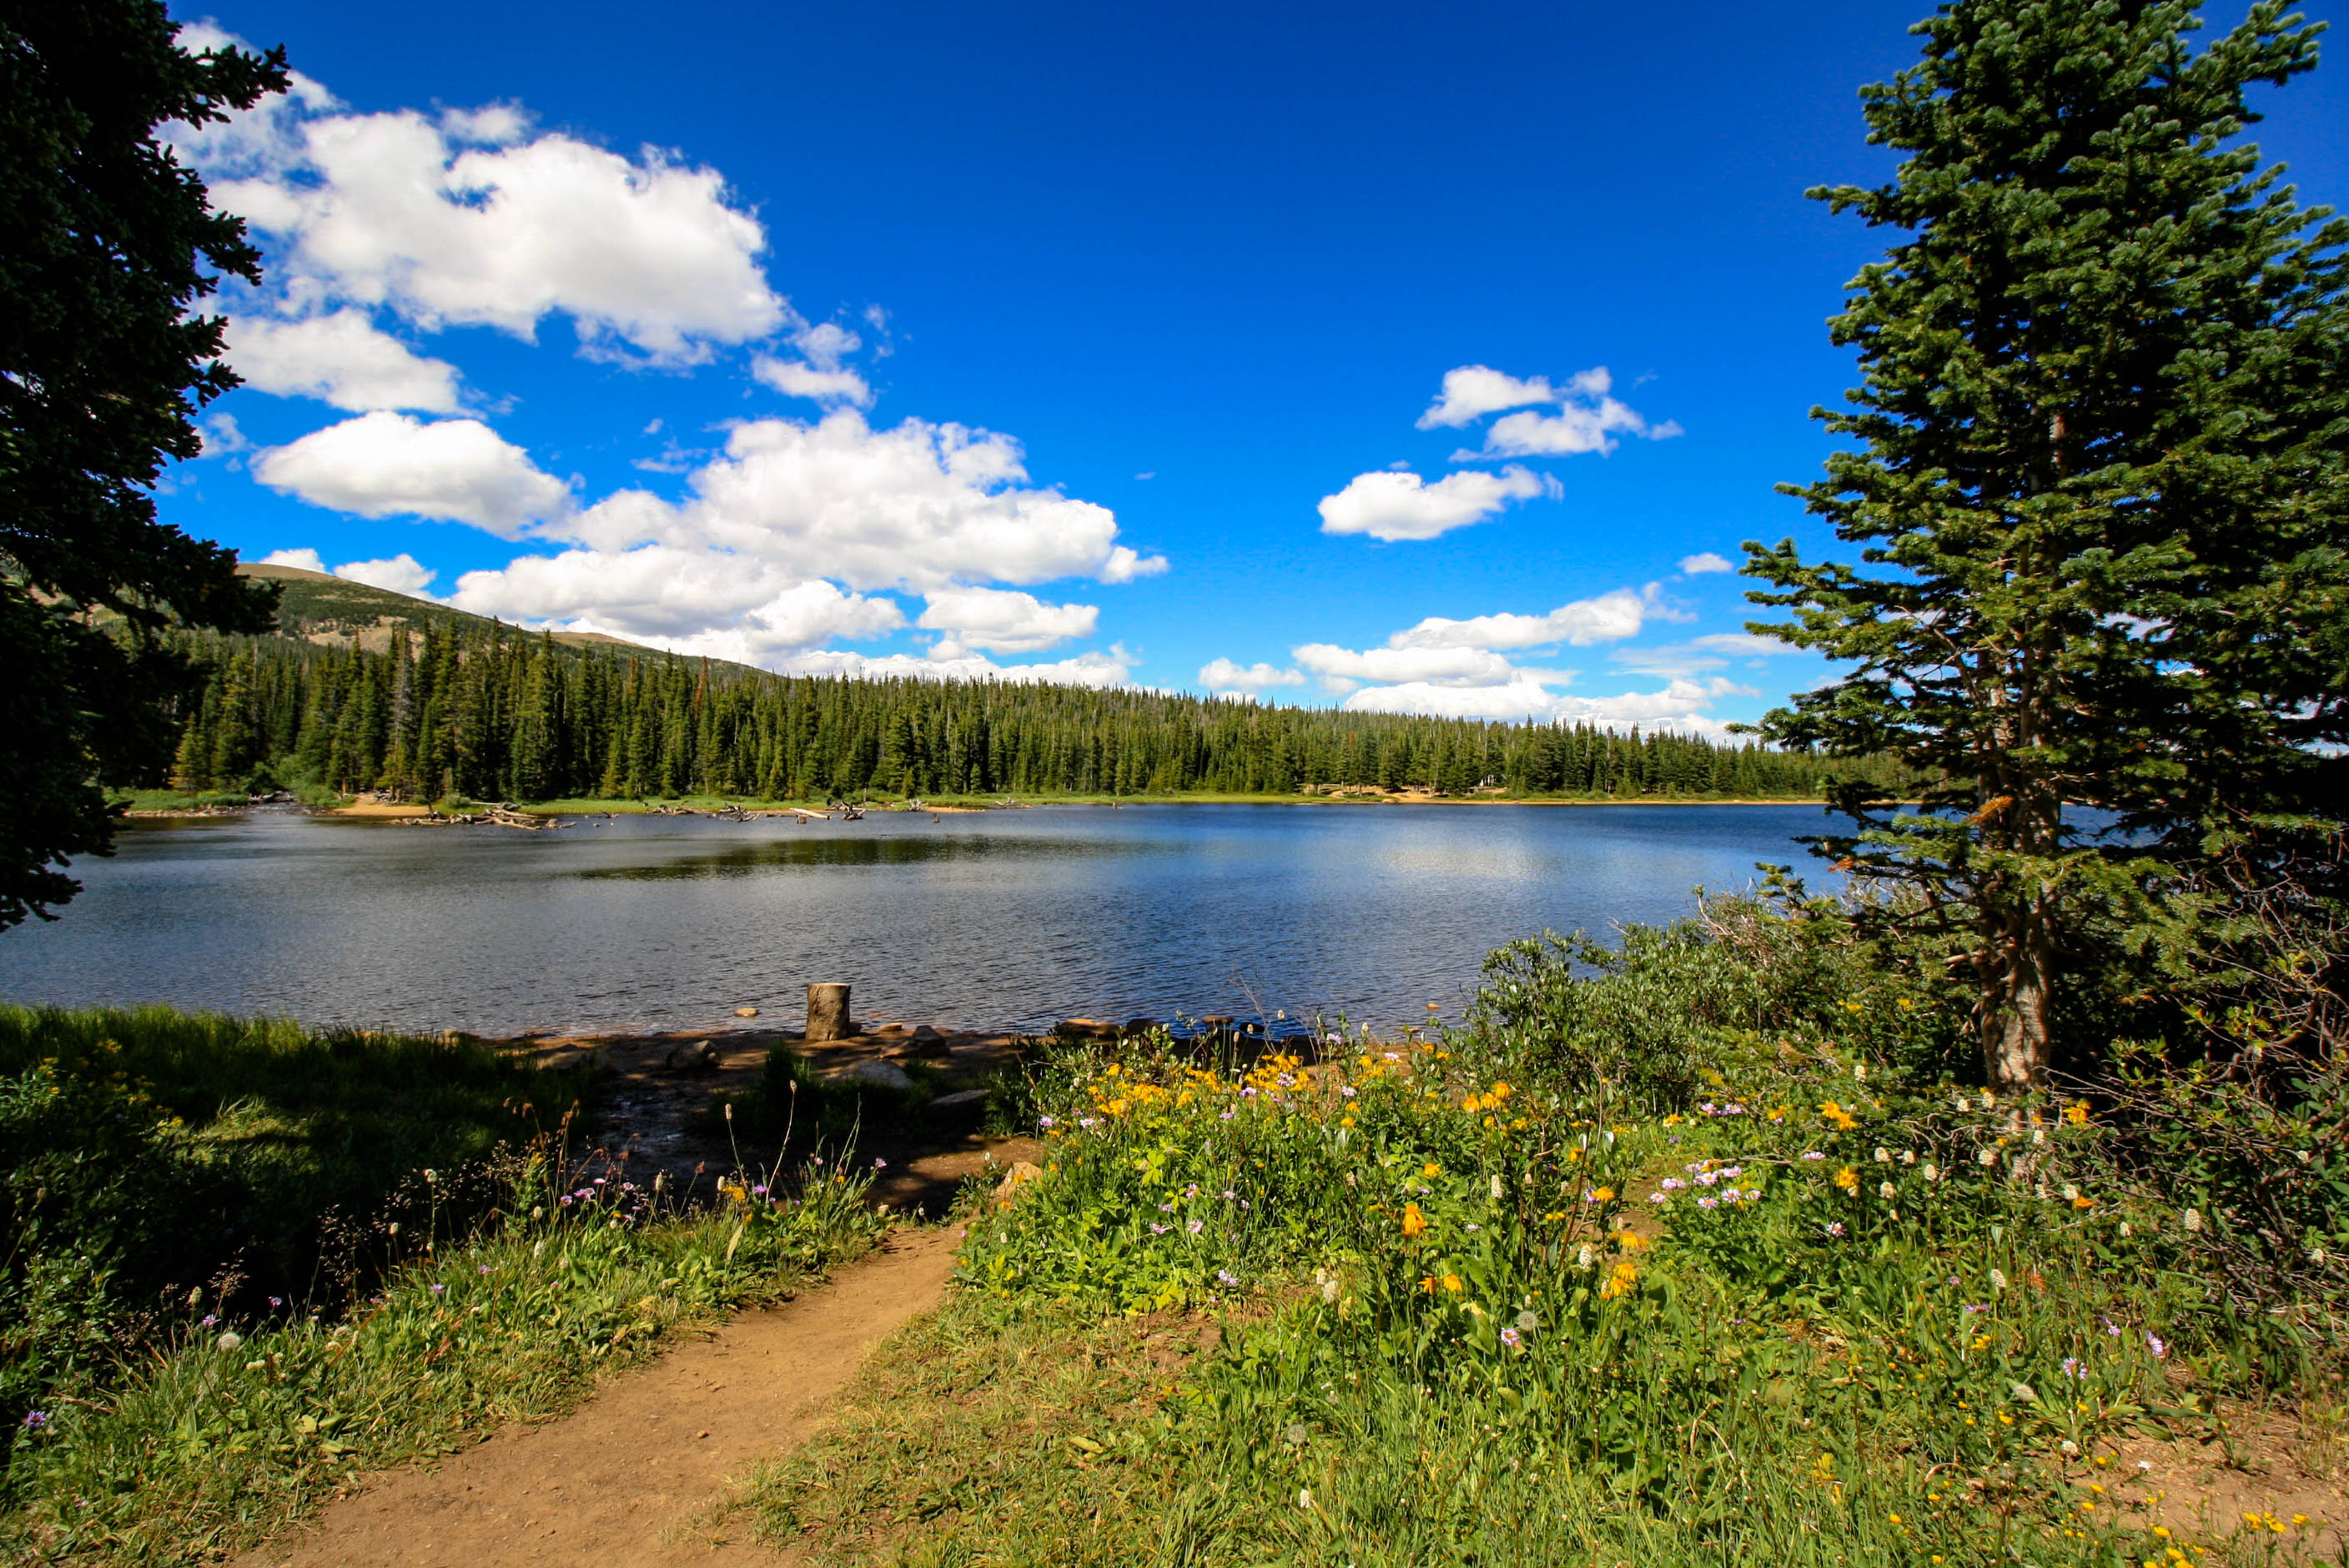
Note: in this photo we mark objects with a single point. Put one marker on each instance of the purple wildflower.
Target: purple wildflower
(1511, 1338)
(1226, 1276)
(440, 1290)
(2152, 1343)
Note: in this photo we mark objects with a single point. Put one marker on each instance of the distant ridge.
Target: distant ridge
(330, 611)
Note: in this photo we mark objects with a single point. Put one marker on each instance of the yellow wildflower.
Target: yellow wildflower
(1848, 1179)
(1452, 1282)
(1414, 1222)
(1431, 1170)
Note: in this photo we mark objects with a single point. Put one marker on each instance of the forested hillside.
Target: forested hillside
(357, 694)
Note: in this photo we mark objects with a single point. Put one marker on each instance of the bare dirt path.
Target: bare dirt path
(623, 1479)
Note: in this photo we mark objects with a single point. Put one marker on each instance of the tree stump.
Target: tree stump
(828, 1012)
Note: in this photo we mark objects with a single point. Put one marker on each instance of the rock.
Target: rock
(962, 1110)
(1140, 1025)
(701, 1056)
(1022, 1171)
(745, 1012)
(880, 1074)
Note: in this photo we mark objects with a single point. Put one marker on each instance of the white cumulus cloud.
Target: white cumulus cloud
(821, 375)
(918, 507)
(385, 465)
(468, 217)
(342, 359)
(1679, 706)
(1589, 417)
(1473, 391)
(1090, 669)
(1003, 620)
(1342, 669)
(1697, 565)
(402, 573)
(1609, 617)
(1225, 678)
(1392, 505)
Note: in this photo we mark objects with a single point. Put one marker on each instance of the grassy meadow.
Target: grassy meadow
(249, 1261)
(1701, 1258)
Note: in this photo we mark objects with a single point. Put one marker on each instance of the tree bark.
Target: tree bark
(827, 1011)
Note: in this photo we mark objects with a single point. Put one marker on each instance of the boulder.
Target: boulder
(879, 1074)
(1022, 1171)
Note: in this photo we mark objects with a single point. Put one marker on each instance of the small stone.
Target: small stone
(745, 1012)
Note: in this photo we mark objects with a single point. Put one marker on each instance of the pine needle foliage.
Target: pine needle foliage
(2097, 482)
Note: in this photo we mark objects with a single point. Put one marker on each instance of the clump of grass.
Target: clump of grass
(231, 1429)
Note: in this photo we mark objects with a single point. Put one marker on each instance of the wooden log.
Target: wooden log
(827, 1013)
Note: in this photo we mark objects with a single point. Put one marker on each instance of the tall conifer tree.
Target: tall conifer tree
(2098, 482)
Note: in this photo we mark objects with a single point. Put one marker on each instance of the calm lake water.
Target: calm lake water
(1000, 919)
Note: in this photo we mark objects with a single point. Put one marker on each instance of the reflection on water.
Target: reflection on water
(893, 849)
(1004, 918)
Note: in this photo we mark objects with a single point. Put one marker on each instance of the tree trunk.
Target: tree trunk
(2014, 1020)
(827, 1013)
(2024, 829)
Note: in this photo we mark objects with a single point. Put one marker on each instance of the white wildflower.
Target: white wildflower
(1887, 1190)
(1997, 1280)
(2193, 1220)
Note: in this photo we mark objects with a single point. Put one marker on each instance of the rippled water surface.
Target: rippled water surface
(1004, 918)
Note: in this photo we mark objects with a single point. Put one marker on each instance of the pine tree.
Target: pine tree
(2098, 484)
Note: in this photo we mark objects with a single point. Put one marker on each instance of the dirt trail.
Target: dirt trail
(622, 1479)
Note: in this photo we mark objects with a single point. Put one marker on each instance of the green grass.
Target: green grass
(248, 1261)
(174, 799)
(1480, 1300)
(220, 1436)
(148, 1153)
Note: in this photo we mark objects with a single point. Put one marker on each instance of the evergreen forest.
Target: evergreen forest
(492, 712)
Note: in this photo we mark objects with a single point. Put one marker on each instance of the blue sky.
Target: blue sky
(1106, 342)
